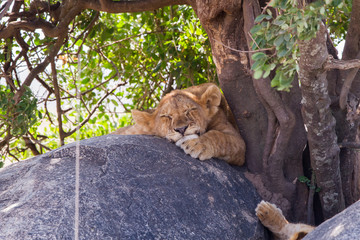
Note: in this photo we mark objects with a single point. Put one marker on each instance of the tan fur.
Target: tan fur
(200, 110)
(273, 218)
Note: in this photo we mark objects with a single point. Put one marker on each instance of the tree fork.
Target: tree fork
(283, 123)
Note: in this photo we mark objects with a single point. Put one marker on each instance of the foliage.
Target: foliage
(338, 18)
(280, 27)
(109, 64)
(307, 181)
(17, 117)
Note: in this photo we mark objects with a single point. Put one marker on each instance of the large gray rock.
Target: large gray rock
(343, 226)
(131, 187)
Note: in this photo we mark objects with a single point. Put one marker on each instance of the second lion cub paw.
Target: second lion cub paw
(269, 213)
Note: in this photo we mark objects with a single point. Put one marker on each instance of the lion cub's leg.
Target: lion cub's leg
(273, 218)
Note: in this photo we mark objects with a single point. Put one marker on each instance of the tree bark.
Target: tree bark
(320, 123)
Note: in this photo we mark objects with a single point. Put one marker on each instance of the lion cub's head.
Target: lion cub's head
(180, 113)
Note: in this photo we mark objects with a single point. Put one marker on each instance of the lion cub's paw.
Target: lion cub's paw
(186, 138)
(195, 147)
(270, 215)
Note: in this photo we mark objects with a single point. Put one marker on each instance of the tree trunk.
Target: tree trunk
(269, 121)
(347, 119)
(320, 123)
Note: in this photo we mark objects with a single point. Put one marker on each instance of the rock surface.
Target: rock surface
(343, 226)
(131, 187)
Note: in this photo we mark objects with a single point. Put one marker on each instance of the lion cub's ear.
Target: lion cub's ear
(211, 97)
(144, 119)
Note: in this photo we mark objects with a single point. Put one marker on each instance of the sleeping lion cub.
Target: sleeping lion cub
(197, 119)
(272, 218)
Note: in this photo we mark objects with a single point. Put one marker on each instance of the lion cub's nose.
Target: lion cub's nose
(181, 129)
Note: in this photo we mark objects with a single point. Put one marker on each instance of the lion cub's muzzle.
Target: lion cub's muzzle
(181, 130)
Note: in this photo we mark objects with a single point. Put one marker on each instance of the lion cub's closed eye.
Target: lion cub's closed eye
(273, 218)
(197, 119)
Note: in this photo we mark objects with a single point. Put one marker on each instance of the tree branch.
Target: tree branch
(332, 63)
(128, 6)
(5, 8)
(48, 28)
(31, 145)
(41, 67)
(350, 76)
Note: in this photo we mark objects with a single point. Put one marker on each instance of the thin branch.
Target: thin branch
(5, 8)
(128, 38)
(122, 104)
(41, 67)
(86, 32)
(241, 51)
(46, 109)
(62, 134)
(94, 109)
(111, 62)
(12, 155)
(310, 204)
(128, 6)
(24, 50)
(8, 79)
(39, 141)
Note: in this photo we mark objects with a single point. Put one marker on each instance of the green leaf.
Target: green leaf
(278, 22)
(258, 56)
(257, 65)
(114, 102)
(85, 80)
(267, 73)
(279, 40)
(258, 74)
(282, 53)
(256, 29)
(261, 17)
(287, 37)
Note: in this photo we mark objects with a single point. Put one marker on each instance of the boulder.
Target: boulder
(343, 226)
(130, 187)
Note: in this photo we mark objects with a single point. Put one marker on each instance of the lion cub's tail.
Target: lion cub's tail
(273, 218)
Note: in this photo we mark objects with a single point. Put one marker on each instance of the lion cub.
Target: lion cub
(272, 218)
(197, 119)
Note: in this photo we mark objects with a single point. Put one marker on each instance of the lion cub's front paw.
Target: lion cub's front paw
(195, 147)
